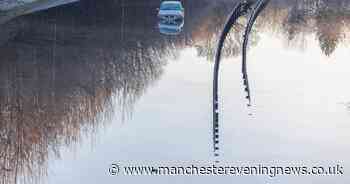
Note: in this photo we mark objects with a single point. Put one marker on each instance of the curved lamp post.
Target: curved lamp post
(239, 10)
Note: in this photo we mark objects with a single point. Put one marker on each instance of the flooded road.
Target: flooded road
(89, 84)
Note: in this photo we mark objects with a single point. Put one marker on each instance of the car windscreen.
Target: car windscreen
(170, 6)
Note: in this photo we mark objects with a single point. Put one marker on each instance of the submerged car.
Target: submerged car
(171, 11)
(172, 28)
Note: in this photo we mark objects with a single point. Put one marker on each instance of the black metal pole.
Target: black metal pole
(261, 4)
(239, 10)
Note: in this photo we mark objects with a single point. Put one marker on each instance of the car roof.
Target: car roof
(171, 2)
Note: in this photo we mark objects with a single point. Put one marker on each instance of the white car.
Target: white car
(171, 11)
(171, 28)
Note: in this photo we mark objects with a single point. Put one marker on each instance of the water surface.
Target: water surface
(90, 83)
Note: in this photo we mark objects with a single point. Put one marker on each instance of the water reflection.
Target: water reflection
(206, 35)
(327, 20)
(61, 78)
(64, 71)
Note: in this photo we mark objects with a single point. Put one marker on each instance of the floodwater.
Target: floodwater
(91, 83)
